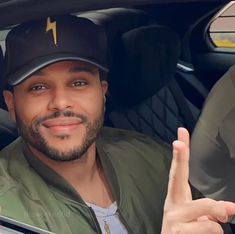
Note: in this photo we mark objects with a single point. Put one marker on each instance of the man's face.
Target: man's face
(59, 109)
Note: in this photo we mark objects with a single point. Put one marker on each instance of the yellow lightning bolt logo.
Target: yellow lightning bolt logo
(52, 26)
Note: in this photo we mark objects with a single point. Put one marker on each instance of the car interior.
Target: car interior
(155, 59)
(162, 61)
(146, 54)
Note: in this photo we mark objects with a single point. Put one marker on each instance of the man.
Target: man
(212, 164)
(66, 174)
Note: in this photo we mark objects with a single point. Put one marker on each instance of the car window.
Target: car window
(3, 35)
(222, 28)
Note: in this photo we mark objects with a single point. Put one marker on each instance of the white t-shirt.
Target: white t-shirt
(108, 219)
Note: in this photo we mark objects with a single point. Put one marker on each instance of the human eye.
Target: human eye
(37, 87)
(79, 83)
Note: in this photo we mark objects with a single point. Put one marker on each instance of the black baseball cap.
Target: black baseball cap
(36, 44)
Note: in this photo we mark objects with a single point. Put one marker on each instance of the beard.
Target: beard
(33, 137)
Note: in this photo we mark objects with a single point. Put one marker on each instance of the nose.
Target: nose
(60, 100)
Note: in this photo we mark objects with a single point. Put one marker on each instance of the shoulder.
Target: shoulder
(225, 83)
(121, 136)
(13, 149)
(132, 145)
(8, 185)
(222, 94)
(137, 161)
(11, 161)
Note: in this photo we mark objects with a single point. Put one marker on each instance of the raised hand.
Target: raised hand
(182, 215)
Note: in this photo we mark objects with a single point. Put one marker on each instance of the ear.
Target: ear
(9, 100)
(104, 85)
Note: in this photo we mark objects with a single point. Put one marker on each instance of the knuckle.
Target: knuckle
(172, 178)
(167, 208)
(170, 216)
(214, 208)
(210, 202)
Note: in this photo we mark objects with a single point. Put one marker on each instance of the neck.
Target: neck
(82, 169)
(85, 175)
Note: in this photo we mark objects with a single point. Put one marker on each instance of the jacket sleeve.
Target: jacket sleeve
(212, 159)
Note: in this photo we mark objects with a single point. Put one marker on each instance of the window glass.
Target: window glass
(222, 28)
(3, 35)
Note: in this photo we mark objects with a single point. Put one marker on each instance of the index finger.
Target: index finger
(178, 187)
(183, 136)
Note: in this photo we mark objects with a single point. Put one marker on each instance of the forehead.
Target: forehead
(68, 66)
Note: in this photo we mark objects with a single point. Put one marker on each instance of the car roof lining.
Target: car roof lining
(24, 10)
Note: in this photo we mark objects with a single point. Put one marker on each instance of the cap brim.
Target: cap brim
(39, 63)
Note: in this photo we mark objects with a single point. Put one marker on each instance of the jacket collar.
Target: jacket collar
(60, 185)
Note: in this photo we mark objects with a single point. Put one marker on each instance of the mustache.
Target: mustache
(58, 114)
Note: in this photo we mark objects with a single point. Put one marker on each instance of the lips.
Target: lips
(60, 126)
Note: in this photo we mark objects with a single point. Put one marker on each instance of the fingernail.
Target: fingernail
(224, 219)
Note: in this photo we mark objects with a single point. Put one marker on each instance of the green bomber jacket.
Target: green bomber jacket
(136, 168)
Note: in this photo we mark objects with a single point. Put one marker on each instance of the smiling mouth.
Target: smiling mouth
(63, 126)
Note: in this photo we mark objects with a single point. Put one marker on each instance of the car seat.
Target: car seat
(2, 103)
(8, 131)
(144, 94)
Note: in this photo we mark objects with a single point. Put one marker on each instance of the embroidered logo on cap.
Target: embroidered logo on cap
(52, 26)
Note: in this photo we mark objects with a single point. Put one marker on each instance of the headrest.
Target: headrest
(1, 59)
(118, 20)
(8, 130)
(144, 61)
(2, 103)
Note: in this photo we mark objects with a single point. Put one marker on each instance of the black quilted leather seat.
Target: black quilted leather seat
(8, 131)
(144, 94)
(2, 103)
